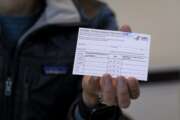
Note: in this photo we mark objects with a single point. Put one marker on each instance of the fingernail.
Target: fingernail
(107, 81)
(95, 78)
(121, 82)
(106, 75)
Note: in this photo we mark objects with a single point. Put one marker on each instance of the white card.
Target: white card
(114, 52)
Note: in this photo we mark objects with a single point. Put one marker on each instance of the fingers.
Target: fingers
(133, 85)
(90, 84)
(125, 28)
(90, 87)
(118, 91)
(108, 90)
(122, 92)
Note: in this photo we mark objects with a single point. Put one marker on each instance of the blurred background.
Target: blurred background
(160, 98)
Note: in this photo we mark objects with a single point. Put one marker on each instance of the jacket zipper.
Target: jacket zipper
(8, 90)
(8, 87)
(8, 101)
(8, 83)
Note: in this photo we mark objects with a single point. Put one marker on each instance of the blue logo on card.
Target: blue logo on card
(55, 70)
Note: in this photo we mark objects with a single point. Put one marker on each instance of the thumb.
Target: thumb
(125, 28)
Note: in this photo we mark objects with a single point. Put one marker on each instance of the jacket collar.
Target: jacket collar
(56, 12)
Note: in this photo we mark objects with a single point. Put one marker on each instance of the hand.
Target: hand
(114, 91)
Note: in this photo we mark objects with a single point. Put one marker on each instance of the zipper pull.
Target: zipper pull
(8, 87)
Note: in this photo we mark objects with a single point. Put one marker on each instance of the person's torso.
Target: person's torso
(36, 80)
(37, 77)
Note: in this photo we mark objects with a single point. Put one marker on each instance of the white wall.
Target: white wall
(161, 19)
(157, 102)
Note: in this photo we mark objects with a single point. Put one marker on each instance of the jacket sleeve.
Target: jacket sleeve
(76, 112)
